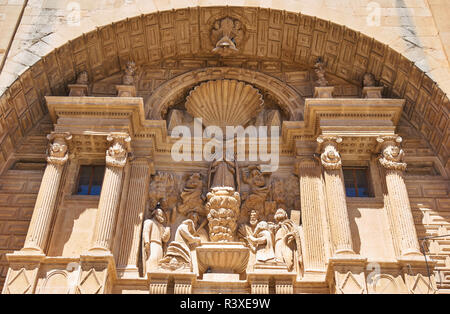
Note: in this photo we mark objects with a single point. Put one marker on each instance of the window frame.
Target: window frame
(91, 178)
(368, 175)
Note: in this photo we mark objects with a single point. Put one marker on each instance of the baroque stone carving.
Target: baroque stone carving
(369, 80)
(330, 157)
(57, 152)
(224, 103)
(178, 254)
(224, 173)
(259, 191)
(262, 242)
(117, 153)
(130, 73)
(392, 155)
(191, 197)
(163, 189)
(319, 68)
(227, 35)
(224, 209)
(155, 234)
(287, 241)
(83, 78)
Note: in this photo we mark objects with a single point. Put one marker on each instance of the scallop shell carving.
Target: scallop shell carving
(224, 103)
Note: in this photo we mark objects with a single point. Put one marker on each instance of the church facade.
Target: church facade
(224, 150)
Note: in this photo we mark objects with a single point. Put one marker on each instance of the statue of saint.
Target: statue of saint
(258, 191)
(224, 173)
(263, 242)
(179, 251)
(246, 230)
(287, 240)
(154, 235)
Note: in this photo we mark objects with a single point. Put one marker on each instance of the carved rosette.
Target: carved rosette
(391, 154)
(58, 150)
(117, 153)
(224, 208)
(330, 157)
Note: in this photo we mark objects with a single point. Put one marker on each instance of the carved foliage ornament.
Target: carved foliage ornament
(392, 155)
(58, 150)
(330, 158)
(117, 153)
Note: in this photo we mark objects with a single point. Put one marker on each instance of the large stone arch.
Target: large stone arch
(274, 37)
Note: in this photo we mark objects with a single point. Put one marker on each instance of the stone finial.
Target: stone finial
(370, 88)
(391, 154)
(330, 157)
(130, 73)
(319, 68)
(58, 149)
(117, 153)
(83, 78)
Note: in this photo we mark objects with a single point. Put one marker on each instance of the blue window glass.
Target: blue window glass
(90, 180)
(356, 182)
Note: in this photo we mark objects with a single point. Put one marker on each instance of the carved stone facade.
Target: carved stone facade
(225, 225)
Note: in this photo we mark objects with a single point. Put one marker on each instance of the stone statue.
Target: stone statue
(263, 242)
(130, 73)
(319, 68)
(227, 34)
(246, 230)
(154, 235)
(178, 254)
(258, 191)
(191, 197)
(287, 240)
(369, 80)
(224, 173)
(83, 78)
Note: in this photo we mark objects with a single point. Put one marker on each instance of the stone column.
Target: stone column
(116, 159)
(392, 160)
(134, 212)
(336, 197)
(57, 156)
(312, 218)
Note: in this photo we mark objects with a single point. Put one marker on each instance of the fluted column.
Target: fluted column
(392, 160)
(116, 159)
(132, 221)
(57, 156)
(312, 218)
(336, 197)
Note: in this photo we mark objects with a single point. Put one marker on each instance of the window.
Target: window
(90, 180)
(356, 182)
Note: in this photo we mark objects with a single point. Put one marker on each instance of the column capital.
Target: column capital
(330, 157)
(307, 161)
(391, 153)
(117, 153)
(58, 149)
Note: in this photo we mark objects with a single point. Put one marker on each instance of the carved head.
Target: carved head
(160, 216)
(257, 178)
(281, 215)
(58, 148)
(254, 218)
(117, 150)
(193, 216)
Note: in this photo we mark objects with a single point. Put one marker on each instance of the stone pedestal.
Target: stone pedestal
(78, 90)
(323, 92)
(22, 273)
(126, 90)
(372, 92)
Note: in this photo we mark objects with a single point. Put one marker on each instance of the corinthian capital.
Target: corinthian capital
(58, 149)
(117, 153)
(391, 154)
(330, 157)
